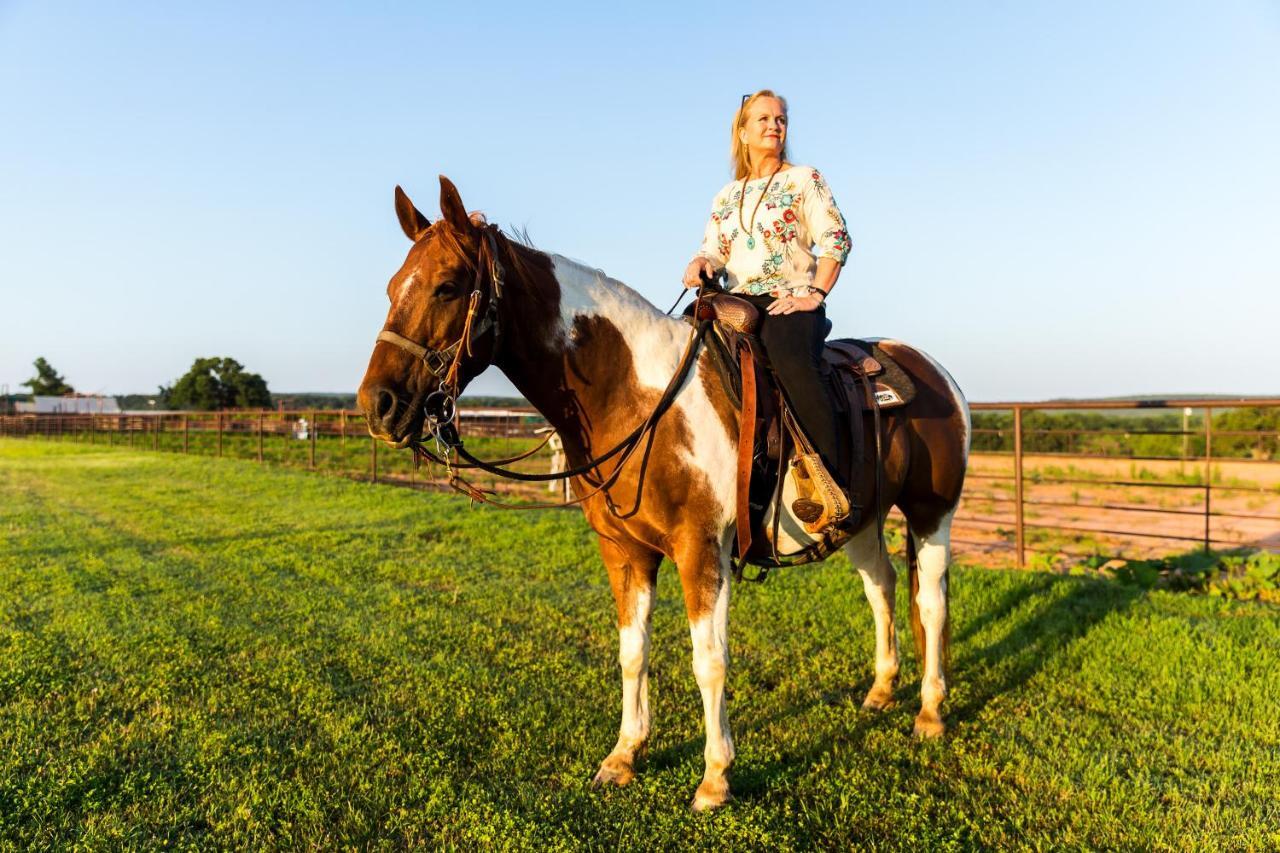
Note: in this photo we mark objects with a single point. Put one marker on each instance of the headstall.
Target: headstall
(443, 364)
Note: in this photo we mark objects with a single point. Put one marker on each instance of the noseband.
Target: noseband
(443, 363)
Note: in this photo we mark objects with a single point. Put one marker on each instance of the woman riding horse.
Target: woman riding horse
(776, 233)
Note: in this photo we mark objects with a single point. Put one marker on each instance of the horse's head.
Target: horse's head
(439, 332)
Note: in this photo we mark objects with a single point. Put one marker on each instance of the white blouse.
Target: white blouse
(796, 223)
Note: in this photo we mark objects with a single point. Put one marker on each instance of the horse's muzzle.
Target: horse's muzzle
(391, 417)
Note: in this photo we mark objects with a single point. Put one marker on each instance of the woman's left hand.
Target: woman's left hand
(792, 304)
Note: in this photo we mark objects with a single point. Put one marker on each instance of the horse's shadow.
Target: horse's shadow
(997, 652)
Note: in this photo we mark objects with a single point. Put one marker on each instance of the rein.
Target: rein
(441, 411)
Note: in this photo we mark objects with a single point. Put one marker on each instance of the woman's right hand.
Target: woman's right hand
(699, 268)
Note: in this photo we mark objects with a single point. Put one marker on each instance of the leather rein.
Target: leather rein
(441, 419)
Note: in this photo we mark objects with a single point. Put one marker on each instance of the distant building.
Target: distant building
(79, 404)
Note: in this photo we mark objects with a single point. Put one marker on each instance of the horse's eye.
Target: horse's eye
(446, 290)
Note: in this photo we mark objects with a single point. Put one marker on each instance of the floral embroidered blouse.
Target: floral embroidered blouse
(774, 257)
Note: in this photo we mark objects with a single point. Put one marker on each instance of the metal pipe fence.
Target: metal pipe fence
(1082, 504)
(332, 441)
(1024, 499)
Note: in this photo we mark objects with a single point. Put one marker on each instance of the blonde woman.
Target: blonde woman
(777, 235)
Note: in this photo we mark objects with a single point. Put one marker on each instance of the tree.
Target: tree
(217, 383)
(47, 382)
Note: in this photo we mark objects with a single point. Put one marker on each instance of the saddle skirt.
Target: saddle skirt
(861, 380)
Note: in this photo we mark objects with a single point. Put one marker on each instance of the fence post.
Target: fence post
(261, 418)
(344, 435)
(1018, 531)
(1208, 470)
(219, 433)
(314, 426)
(93, 430)
(186, 434)
(373, 459)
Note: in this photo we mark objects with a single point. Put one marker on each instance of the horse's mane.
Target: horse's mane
(529, 263)
(538, 269)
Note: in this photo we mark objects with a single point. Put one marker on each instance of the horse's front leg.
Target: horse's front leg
(704, 576)
(633, 574)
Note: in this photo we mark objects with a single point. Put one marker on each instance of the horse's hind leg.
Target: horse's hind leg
(633, 574)
(878, 580)
(929, 614)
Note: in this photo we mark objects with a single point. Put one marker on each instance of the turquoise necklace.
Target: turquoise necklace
(742, 194)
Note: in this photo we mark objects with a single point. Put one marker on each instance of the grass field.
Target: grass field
(197, 652)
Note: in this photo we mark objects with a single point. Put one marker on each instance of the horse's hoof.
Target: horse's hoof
(878, 699)
(614, 771)
(929, 726)
(711, 795)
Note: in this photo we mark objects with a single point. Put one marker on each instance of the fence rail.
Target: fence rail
(1194, 471)
(1019, 501)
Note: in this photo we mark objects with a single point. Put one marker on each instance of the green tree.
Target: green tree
(216, 383)
(1247, 419)
(47, 382)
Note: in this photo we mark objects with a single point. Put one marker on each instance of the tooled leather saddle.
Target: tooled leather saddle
(861, 381)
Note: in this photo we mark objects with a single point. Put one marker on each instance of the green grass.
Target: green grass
(213, 653)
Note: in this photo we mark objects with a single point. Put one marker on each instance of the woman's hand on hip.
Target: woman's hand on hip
(792, 304)
(698, 268)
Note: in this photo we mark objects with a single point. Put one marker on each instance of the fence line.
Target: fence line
(1206, 488)
(326, 440)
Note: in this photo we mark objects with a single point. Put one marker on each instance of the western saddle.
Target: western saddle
(861, 381)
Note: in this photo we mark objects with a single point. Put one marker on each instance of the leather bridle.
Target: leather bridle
(443, 363)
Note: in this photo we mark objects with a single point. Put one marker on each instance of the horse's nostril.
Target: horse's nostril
(384, 404)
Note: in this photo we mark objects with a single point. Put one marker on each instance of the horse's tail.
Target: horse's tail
(913, 573)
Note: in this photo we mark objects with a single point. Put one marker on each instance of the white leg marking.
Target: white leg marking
(618, 768)
(633, 655)
(878, 581)
(710, 636)
(933, 554)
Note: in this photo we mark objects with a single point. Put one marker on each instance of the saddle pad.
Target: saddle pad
(893, 387)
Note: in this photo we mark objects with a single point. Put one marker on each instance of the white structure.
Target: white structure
(80, 404)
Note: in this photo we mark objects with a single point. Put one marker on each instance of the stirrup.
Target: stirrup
(820, 503)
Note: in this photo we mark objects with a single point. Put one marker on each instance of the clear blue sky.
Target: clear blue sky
(1051, 198)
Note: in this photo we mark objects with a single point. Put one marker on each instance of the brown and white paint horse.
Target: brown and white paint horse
(594, 357)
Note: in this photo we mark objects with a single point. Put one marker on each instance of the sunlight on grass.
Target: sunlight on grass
(208, 653)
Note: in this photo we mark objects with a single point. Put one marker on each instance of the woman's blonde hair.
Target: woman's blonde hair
(739, 155)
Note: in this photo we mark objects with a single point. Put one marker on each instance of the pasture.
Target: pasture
(215, 653)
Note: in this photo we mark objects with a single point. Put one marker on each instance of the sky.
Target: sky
(1052, 199)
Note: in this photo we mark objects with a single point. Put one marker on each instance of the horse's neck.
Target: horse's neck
(594, 367)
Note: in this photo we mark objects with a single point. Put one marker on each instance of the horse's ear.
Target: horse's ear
(412, 222)
(452, 208)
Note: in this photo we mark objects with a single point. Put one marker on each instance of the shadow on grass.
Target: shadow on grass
(1036, 623)
(1043, 624)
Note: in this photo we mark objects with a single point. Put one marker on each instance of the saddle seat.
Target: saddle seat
(849, 358)
(861, 379)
